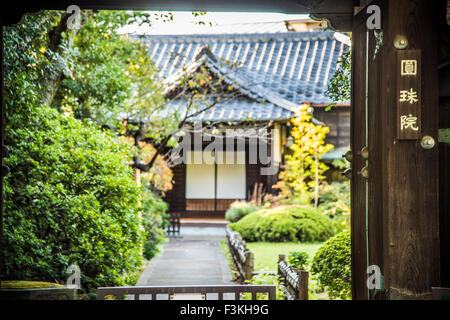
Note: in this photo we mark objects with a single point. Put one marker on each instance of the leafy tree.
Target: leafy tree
(58, 51)
(70, 196)
(113, 77)
(201, 90)
(339, 87)
(303, 170)
(108, 71)
(159, 178)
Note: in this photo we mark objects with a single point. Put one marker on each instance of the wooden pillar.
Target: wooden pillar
(403, 211)
(303, 277)
(444, 143)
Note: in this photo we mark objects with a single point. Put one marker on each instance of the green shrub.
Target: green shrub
(239, 209)
(335, 202)
(154, 219)
(332, 266)
(298, 259)
(70, 199)
(284, 223)
(14, 284)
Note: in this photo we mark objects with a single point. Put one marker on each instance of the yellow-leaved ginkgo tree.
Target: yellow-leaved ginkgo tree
(303, 171)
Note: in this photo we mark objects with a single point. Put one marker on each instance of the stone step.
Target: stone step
(219, 223)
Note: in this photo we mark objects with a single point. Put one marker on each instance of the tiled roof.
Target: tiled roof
(254, 102)
(240, 109)
(296, 66)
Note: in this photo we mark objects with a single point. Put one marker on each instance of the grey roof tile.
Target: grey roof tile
(284, 69)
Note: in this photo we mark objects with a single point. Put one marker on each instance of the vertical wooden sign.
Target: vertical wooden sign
(409, 94)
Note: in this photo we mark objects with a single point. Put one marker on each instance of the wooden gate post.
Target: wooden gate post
(402, 198)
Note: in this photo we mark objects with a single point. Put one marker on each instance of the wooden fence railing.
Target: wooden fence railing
(242, 257)
(207, 292)
(293, 282)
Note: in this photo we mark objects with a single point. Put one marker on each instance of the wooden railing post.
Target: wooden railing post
(303, 277)
(248, 265)
(242, 257)
(281, 257)
(293, 281)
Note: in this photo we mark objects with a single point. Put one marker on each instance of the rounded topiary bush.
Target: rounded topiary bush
(285, 223)
(239, 209)
(332, 266)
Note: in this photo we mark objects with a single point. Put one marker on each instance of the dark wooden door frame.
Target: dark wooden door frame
(405, 234)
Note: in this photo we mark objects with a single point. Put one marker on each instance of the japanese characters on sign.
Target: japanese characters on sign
(409, 95)
(409, 67)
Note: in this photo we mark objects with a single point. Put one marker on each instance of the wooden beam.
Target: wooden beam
(338, 22)
(13, 15)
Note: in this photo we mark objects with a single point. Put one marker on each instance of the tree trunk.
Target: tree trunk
(53, 76)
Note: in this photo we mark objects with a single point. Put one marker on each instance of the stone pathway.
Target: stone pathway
(194, 259)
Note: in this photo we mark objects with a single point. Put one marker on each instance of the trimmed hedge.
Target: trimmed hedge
(239, 209)
(332, 266)
(17, 284)
(285, 223)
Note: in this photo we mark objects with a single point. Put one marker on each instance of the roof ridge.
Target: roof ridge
(309, 35)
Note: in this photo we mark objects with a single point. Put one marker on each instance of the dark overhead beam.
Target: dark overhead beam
(328, 7)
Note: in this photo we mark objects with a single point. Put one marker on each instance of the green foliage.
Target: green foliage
(335, 202)
(263, 278)
(14, 284)
(284, 223)
(154, 220)
(114, 83)
(108, 73)
(339, 87)
(70, 197)
(298, 259)
(266, 253)
(340, 164)
(332, 266)
(239, 209)
(27, 60)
